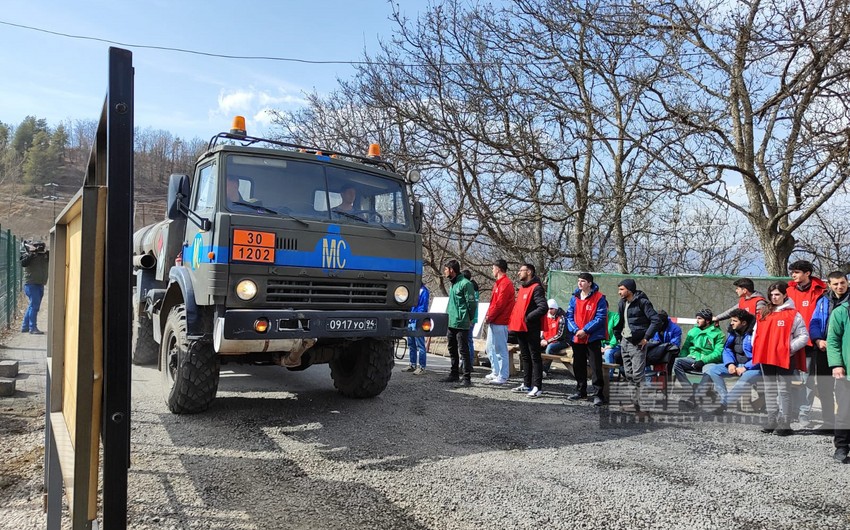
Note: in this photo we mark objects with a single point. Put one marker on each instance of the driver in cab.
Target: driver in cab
(235, 200)
(349, 195)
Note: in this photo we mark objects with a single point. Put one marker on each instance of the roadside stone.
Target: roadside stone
(8, 368)
(7, 387)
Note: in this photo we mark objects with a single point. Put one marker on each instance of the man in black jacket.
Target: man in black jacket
(638, 322)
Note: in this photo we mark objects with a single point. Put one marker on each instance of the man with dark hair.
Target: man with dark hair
(638, 322)
(737, 361)
(498, 316)
(525, 321)
(460, 309)
(587, 321)
(818, 331)
(749, 299)
(805, 290)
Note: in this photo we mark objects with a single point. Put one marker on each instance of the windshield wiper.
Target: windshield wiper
(275, 212)
(387, 228)
(351, 216)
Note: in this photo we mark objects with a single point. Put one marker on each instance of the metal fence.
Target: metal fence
(11, 276)
(681, 296)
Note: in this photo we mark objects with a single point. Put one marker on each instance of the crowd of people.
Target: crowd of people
(799, 331)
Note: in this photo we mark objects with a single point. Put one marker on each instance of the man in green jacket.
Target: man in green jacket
(461, 309)
(34, 260)
(703, 345)
(838, 356)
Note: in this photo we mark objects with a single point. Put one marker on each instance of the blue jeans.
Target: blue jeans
(416, 350)
(613, 356)
(718, 372)
(497, 350)
(35, 293)
(471, 343)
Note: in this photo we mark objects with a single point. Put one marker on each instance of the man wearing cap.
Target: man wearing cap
(703, 345)
(497, 317)
(587, 319)
(638, 322)
(555, 335)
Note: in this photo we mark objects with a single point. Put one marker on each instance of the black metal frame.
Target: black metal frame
(116, 140)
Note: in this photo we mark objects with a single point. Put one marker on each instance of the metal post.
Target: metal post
(119, 110)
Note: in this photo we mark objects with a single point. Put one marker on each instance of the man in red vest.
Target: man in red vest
(530, 306)
(749, 299)
(587, 319)
(805, 290)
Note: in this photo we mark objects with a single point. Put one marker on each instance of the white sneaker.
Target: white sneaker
(490, 377)
(535, 393)
(520, 388)
(419, 371)
(498, 381)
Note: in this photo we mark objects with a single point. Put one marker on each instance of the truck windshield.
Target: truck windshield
(312, 190)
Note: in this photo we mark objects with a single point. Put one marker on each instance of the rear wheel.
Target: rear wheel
(363, 369)
(189, 368)
(144, 347)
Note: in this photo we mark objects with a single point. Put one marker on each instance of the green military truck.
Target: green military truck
(279, 253)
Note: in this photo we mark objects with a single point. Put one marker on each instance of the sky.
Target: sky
(60, 78)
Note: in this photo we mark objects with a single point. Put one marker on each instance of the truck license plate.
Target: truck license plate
(351, 324)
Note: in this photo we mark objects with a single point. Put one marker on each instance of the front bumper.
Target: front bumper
(286, 324)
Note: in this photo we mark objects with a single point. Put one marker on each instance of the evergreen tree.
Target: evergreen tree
(40, 163)
(25, 133)
(58, 144)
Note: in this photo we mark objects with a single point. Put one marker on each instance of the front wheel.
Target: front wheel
(363, 369)
(189, 368)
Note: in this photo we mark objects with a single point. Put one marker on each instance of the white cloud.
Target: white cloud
(254, 104)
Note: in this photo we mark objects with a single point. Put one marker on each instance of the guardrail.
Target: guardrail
(11, 276)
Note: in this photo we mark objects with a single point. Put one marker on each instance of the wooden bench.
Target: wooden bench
(565, 357)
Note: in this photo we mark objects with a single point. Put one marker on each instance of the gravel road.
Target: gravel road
(281, 449)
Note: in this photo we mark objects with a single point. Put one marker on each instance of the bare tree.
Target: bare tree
(761, 97)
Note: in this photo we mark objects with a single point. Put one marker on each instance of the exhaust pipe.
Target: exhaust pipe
(144, 261)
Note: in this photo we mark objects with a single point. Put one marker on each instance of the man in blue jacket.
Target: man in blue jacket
(416, 345)
(737, 361)
(587, 320)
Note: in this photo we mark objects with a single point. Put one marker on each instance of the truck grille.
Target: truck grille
(326, 292)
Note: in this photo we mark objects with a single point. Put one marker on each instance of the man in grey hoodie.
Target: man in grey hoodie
(749, 299)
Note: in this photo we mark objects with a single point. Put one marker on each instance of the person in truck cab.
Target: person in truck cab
(349, 195)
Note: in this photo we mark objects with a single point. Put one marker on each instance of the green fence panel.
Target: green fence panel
(680, 295)
(11, 277)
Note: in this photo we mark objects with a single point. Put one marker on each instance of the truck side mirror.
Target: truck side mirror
(178, 197)
(417, 216)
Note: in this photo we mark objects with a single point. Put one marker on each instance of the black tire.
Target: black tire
(189, 369)
(363, 370)
(144, 347)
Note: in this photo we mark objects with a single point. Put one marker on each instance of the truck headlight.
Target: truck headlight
(401, 294)
(246, 289)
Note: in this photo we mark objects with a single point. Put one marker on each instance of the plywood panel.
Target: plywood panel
(73, 265)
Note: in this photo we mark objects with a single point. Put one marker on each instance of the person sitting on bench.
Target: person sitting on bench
(737, 361)
(703, 345)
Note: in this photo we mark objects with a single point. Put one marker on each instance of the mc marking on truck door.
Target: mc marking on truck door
(332, 249)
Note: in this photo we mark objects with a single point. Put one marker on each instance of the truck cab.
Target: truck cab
(274, 252)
